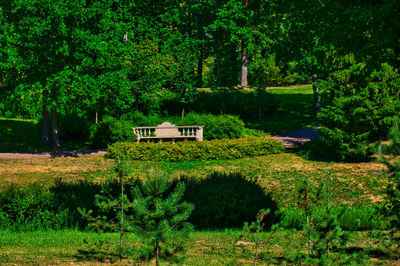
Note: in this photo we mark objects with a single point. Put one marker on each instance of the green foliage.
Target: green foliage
(112, 207)
(32, 208)
(72, 126)
(245, 104)
(359, 110)
(199, 150)
(160, 215)
(349, 218)
(321, 228)
(111, 130)
(227, 201)
(265, 72)
(389, 155)
(216, 126)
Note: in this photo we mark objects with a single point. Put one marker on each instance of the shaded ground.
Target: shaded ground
(297, 137)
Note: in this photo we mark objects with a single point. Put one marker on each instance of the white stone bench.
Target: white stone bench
(167, 131)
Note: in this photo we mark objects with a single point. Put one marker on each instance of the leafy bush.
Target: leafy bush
(111, 130)
(32, 208)
(199, 150)
(359, 109)
(216, 126)
(138, 119)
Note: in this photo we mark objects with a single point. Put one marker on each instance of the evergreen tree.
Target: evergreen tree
(359, 106)
(251, 232)
(160, 215)
(389, 156)
(113, 205)
(321, 226)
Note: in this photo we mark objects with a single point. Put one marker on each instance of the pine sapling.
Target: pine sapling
(160, 215)
(112, 205)
(251, 232)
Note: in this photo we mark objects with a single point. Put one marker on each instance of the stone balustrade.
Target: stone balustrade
(168, 131)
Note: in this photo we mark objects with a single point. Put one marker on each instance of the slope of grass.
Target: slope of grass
(355, 183)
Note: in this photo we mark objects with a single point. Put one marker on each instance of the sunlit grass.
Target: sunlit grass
(203, 248)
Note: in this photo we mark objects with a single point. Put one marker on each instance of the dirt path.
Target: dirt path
(50, 154)
(298, 136)
(289, 139)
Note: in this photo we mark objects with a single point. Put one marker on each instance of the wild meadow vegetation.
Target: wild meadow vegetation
(78, 75)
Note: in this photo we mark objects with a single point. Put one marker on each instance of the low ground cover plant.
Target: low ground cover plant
(199, 150)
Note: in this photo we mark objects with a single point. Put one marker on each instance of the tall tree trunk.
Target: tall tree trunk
(243, 53)
(201, 56)
(243, 80)
(317, 97)
(54, 130)
(157, 252)
(200, 69)
(45, 125)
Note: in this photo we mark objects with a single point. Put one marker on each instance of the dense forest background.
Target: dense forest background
(87, 59)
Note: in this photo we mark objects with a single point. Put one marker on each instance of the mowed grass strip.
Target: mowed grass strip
(203, 248)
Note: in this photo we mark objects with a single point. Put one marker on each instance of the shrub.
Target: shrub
(138, 119)
(216, 126)
(32, 208)
(359, 109)
(111, 130)
(199, 150)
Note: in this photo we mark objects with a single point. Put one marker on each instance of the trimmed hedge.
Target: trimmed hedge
(199, 150)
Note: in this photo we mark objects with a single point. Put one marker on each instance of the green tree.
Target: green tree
(160, 215)
(358, 109)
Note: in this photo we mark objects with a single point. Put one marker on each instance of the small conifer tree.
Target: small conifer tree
(251, 232)
(112, 204)
(321, 226)
(160, 215)
(389, 155)
(328, 231)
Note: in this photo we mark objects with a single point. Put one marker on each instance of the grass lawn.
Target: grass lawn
(203, 248)
(295, 110)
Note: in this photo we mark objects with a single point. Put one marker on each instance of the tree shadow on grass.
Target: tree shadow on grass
(227, 201)
(20, 136)
(97, 251)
